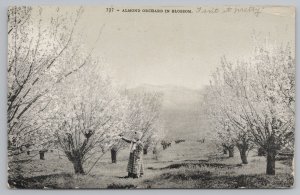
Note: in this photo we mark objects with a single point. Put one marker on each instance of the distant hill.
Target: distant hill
(181, 112)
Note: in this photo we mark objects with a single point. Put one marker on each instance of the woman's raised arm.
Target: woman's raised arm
(126, 140)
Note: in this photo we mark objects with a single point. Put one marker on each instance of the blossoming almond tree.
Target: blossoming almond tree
(222, 107)
(88, 114)
(260, 99)
(143, 115)
(37, 46)
(269, 107)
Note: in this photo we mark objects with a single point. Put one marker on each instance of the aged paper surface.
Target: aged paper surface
(151, 97)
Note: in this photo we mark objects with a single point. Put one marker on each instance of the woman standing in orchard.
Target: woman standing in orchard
(135, 167)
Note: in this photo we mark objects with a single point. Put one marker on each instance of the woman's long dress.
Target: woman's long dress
(135, 163)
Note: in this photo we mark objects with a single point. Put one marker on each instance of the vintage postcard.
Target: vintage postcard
(151, 97)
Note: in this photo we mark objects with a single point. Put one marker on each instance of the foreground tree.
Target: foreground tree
(88, 117)
(257, 97)
(270, 110)
(37, 48)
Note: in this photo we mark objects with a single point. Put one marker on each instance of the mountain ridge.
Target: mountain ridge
(181, 110)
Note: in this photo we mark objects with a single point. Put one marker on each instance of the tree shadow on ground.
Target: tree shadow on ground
(198, 164)
(121, 186)
(208, 180)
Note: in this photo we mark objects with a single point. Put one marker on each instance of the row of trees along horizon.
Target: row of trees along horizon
(60, 96)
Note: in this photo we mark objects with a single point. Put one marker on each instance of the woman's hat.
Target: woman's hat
(138, 135)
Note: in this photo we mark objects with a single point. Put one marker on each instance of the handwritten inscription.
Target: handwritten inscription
(230, 10)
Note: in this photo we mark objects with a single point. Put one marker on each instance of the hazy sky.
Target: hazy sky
(178, 49)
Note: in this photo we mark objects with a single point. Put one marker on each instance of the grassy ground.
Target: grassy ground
(183, 165)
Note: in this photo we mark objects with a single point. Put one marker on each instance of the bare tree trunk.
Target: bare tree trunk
(243, 148)
(145, 151)
(154, 150)
(76, 158)
(78, 166)
(113, 152)
(271, 151)
(75, 152)
(271, 162)
(155, 153)
(231, 151)
(58, 154)
(42, 154)
(243, 154)
(261, 152)
(224, 151)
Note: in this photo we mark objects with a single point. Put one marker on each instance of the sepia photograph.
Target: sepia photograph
(151, 97)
